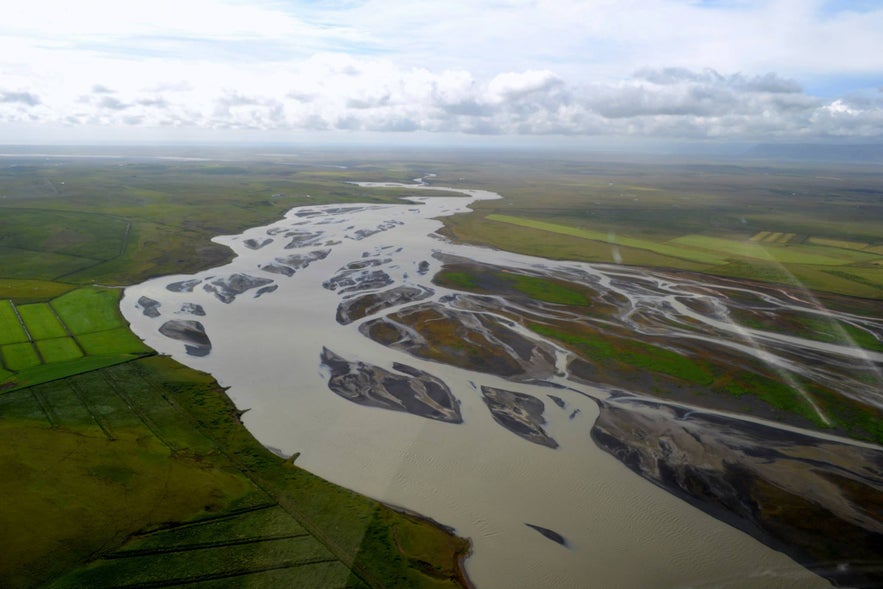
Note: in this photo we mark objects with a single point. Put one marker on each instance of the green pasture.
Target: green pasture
(611, 238)
(18, 357)
(835, 269)
(26, 291)
(839, 243)
(10, 327)
(707, 249)
(88, 310)
(23, 264)
(71, 233)
(541, 289)
(817, 255)
(41, 321)
(112, 341)
(58, 349)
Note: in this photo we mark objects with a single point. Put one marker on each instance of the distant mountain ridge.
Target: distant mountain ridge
(818, 152)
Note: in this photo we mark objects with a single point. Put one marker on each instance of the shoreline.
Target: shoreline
(461, 556)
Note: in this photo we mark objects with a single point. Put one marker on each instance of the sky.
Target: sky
(501, 71)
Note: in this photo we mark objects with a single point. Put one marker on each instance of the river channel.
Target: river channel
(269, 314)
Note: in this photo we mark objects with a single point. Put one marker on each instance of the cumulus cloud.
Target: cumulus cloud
(332, 92)
(111, 103)
(734, 70)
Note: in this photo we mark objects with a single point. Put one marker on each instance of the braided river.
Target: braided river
(552, 510)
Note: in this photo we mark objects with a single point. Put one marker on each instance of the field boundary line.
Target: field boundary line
(204, 545)
(72, 374)
(27, 331)
(66, 328)
(125, 239)
(139, 412)
(50, 415)
(210, 520)
(100, 422)
(349, 561)
(315, 531)
(228, 575)
(98, 262)
(44, 252)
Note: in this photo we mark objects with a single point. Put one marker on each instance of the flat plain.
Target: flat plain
(713, 217)
(161, 484)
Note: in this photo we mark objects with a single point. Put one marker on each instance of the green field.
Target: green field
(817, 255)
(18, 357)
(10, 327)
(99, 337)
(59, 349)
(87, 310)
(745, 220)
(111, 341)
(631, 353)
(547, 290)
(740, 258)
(26, 291)
(41, 321)
(695, 255)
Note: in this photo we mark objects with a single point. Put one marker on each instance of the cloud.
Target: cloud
(676, 75)
(516, 85)
(705, 93)
(344, 93)
(734, 69)
(112, 103)
(25, 98)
